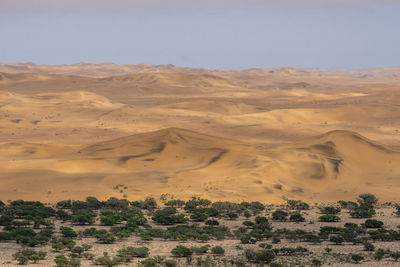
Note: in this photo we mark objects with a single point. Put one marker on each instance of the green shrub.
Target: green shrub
(61, 261)
(138, 252)
(107, 261)
(357, 258)
(296, 217)
(212, 222)
(379, 254)
(336, 239)
(367, 198)
(105, 238)
(264, 256)
(200, 250)
(68, 232)
(329, 218)
(26, 255)
(316, 262)
(364, 210)
(168, 216)
(150, 262)
(372, 223)
(170, 263)
(279, 215)
(368, 246)
(330, 210)
(395, 255)
(83, 217)
(181, 251)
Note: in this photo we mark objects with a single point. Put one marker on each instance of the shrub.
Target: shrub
(218, 250)
(265, 246)
(316, 262)
(175, 203)
(395, 255)
(357, 258)
(61, 261)
(369, 246)
(105, 238)
(198, 217)
(139, 252)
(78, 250)
(232, 215)
(397, 206)
(264, 256)
(296, 217)
(26, 255)
(68, 232)
(336, 239)
(200, 250)
(107, 261)
(83, 217)
(150, 262)
(329, 218)
(379, 254)
(110, 218)
(330, 210)
(170, 263)
(168, 216)
(181, 251)
(373, 223)
(296, 204)
(367, 198)
(279, 215)
(212, 222)
(262, 224)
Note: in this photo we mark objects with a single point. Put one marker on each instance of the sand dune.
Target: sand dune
(65, 136)
(185, 163)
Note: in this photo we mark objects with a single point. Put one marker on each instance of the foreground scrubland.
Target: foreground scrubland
(198, 232)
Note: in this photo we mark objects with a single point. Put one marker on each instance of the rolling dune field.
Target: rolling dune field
(317, 135)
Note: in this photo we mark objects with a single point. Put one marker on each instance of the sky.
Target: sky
(220, 34)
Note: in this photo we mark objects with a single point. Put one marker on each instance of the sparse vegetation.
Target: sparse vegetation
(115, 220)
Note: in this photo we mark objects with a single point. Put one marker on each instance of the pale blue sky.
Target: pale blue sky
(302, 33)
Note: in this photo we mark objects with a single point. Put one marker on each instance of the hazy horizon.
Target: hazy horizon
(218, 34)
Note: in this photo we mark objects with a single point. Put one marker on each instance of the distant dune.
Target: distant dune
(259, 134)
